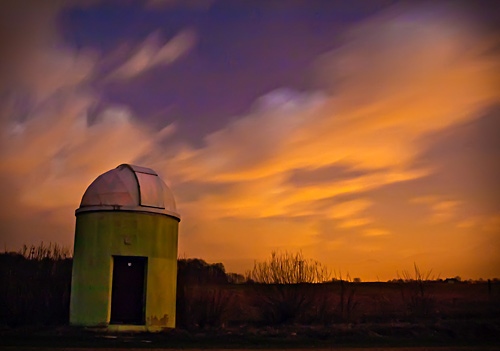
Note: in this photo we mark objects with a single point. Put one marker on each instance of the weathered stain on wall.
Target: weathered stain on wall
(155, 321)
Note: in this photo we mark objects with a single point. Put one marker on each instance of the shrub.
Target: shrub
(347, 302)
(288, 268)
(197, 271)
(204, 306)
(415, 293)
(282, 303)
(334, 302)
(35, 285)
(284, 293)
(202, 298)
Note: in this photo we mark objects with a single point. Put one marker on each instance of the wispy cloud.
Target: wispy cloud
(393, 92)
(50, 148)
(396, 78)
(330, 171)
(152, 53)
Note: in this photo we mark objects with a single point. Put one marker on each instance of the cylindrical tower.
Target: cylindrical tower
(125, 254)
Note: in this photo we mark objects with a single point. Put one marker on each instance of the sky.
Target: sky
(364, 134)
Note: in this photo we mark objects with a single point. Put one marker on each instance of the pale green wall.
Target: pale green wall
(99, 236)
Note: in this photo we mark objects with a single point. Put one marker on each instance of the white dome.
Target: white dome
(129, 188)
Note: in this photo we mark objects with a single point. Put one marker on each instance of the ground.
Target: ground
(408, 337)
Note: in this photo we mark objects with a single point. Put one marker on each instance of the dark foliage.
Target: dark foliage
(286, 292)
(333, 302)
(204, 306)
(195, 271)
(202, 300)
(415, 293)
(34, 291)
(282, 303)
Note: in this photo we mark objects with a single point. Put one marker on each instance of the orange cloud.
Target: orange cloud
(395, 79)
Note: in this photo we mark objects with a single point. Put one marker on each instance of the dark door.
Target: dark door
(127, 294)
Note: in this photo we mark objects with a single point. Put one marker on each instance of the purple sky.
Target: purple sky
(237, 45)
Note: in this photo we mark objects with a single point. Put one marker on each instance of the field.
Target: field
(216, 312)
(339, 302)
(460, 316)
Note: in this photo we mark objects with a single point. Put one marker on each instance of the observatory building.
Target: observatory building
(125, 254)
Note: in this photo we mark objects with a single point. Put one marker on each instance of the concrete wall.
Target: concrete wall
(99, 236)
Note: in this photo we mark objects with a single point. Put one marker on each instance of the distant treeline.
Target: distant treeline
(35, 286)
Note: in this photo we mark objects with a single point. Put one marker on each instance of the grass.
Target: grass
(415, 294)
(450, 333)
(34, 294)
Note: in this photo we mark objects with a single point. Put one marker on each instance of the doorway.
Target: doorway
(128, 290)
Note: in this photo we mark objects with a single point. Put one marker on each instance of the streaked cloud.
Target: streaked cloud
(152, 53)
(397, 78)
(50, 147)
(375, 232)
(356, 222)
(372, 134)
(355, 172)
(441, 209)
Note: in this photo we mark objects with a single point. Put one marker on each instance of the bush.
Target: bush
(204, 307)
(288, 268)
(333, 302)
(202, 299)
(197, 271)
(282, 303)
(415, 293)
(284, 294)
(35, 286)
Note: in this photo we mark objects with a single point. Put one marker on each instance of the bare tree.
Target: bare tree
(415, 294)
(288, 268)
(284, 293)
